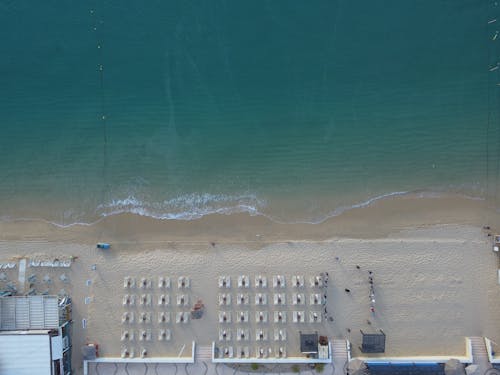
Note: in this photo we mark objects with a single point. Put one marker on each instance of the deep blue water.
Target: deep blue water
(289, 108)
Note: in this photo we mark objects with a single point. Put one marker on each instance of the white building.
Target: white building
(35, 335)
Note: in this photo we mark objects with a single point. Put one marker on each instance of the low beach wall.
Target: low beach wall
(182, 360)
(421, 360)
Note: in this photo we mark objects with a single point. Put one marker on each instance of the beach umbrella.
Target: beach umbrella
(357, 367)
(454, 367)
(472, 370)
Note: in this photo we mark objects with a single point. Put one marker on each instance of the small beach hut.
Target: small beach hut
(373, 342)
(308, 343)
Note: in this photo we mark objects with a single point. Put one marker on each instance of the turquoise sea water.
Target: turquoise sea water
(293, 109)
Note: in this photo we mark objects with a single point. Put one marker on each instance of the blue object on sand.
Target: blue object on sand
(103, 245)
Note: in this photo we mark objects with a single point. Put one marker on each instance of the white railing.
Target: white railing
(150, 360)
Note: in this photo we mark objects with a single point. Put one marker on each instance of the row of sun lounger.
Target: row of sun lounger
(183, 282)
(6, 266)
(146, 335)
(244, 334)
(128, 317)
(298, 316)
(261, 299)
(130, 353)
(147, 300)
(48, 263)
(278, 281)
(260, 352)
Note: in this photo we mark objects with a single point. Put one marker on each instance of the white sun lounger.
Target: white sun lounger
(182, 300)
(146, 300)
(298, 316)
(243, 352)
(145, 318)
(279, 299)
(225, 334)
(298, 281)
(145, 335)
(280, 352)
(224, 316)
(242, 334)
(183, 282)
(242, 299)
(129, 300)
(145, 283)
(225, 282)
(128, 317)
(243, 281)
(316, 281)
(260, 281)
(298, 299)
(127, 336)
(280, 317)
(280, 334)
(182, 317)
(164, 335)
(279, 281)
(261, 316)
(224, 299)
(164, 282)
(242, 316)
(314, 317)
(262, 352)
(261, 335)
(261, 299)
(227, 352)
(164, 317)
(163, 300)
(127, 353)
(128, 282)
(315, 299)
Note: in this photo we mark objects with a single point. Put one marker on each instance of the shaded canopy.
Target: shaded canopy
(454, 367)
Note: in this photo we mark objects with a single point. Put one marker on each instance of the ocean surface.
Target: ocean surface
(294, 110)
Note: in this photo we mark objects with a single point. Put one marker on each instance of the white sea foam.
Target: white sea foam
(185, 207)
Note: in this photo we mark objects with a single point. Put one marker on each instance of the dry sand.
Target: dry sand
(435, 274)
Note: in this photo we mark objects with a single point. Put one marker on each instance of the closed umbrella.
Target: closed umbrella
(357, 367)
(454, 367)
(472, 370)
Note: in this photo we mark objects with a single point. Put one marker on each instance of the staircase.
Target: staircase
(479, 353)
(204, 353)
(339, 354)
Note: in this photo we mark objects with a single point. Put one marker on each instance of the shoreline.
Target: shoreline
(379, 219)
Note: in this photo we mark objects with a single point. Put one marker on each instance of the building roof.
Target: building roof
(29, 312)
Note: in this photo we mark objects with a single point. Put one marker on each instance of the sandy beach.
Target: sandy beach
(435, 274)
